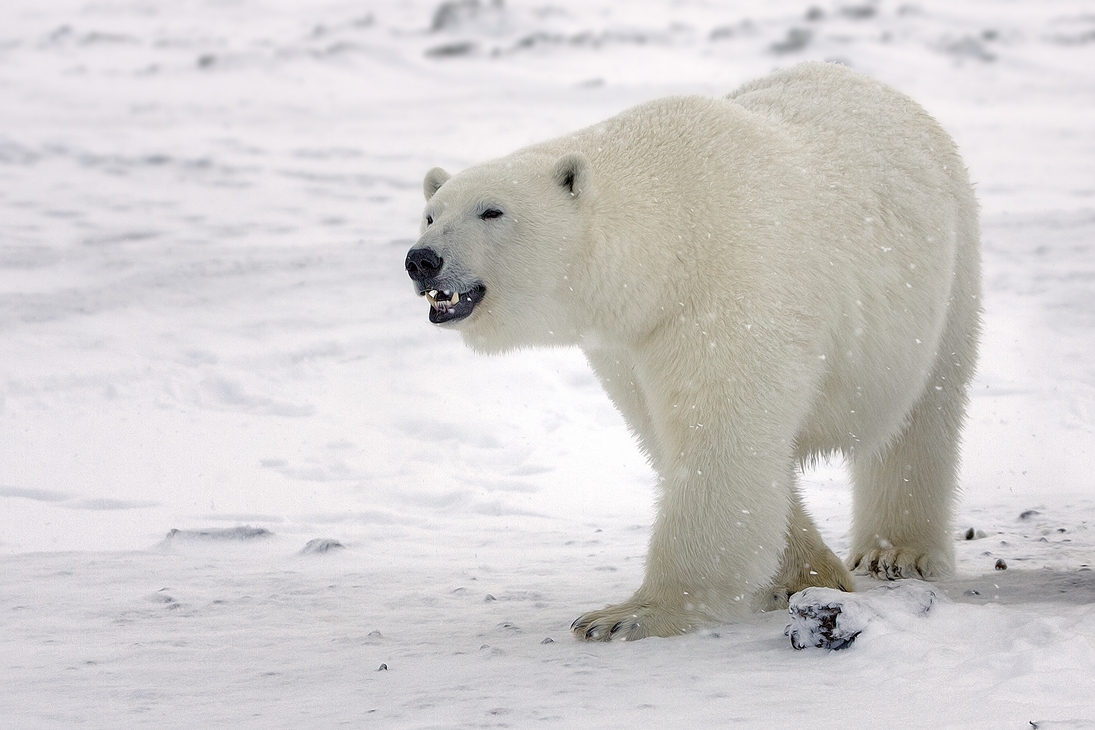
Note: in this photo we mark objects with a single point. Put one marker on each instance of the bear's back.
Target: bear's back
(854, 125)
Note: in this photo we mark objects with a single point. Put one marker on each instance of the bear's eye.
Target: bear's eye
(429, 220)
(490, 213)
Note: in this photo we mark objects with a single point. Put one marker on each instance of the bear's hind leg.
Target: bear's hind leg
(807, 561)
(904, 495)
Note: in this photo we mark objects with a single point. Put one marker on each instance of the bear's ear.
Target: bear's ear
(571, 172)
(435, 178)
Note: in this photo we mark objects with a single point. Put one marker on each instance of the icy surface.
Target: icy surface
(205, 326)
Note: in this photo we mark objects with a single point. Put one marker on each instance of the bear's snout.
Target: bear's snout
(423, 264)
(451, 300)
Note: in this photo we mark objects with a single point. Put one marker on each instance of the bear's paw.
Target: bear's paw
(826, 571)
(634, 620)
(805, 564)
(890, 563)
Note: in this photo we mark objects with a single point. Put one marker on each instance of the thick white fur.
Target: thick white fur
(757, 280)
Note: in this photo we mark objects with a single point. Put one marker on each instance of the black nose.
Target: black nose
(423, 263)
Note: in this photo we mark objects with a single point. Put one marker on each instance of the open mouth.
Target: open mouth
(449, 306)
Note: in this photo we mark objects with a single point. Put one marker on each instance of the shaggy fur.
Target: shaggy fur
(757, 280)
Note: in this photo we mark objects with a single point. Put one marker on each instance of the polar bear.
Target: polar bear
(758, 281)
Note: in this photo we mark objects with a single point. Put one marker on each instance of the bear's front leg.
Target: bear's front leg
(716, 542)
(722, 440)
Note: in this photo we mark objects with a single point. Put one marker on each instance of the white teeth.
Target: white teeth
(442, 303)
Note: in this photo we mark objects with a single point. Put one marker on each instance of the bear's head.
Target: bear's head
(500, 247)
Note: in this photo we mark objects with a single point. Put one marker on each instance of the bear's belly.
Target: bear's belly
(862, 403)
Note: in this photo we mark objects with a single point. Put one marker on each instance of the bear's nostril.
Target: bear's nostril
(423, 263)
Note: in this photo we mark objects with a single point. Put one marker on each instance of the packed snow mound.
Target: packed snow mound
(826, 618)
(321, 545)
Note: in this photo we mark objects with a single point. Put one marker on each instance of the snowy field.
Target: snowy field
(205, 324)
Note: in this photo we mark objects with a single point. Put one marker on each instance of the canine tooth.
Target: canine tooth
(455, 298)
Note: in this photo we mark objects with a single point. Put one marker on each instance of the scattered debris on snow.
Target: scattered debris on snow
(245, 532)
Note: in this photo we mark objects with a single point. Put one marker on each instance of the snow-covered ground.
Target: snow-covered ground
(205, 324)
